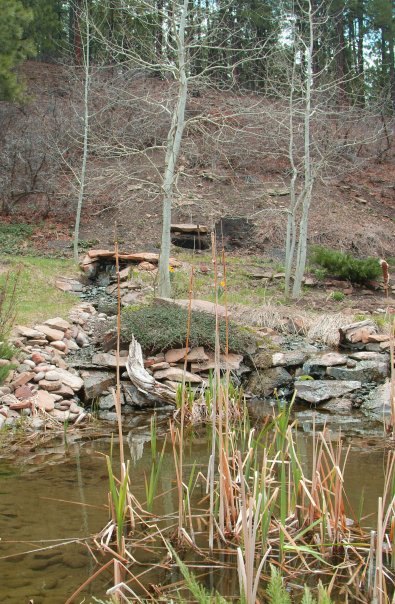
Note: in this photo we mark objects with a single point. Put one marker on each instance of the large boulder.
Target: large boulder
(96, 382)
(316, 391)
(365, 371)
(264, 382)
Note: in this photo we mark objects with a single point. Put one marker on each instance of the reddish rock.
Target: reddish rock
(38, 358)
(23, 392)
(44, 400)
(197, 355)
(26, 404)
(22, 379)
(175, 355)
(378, 337)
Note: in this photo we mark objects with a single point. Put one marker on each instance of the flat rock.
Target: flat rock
(48, 385)
(196, 305)
(44, 400)
(101, 253)
(316, 365)
(23, 392)
(58, 323)
(96, 382)
(68, 285)
(64, 391)
(60, 416)
(378, 337)
(27, 332)
(50, 333)
(70, 379)
(365, 355)
(264, 381)
(52, 375)
(22, 379)
(175, 355)
(289, 359)
(230, 361)
(131, 298)
(105, 359)
(189, 228)
(365, 371)
(176, 374)
(316, 391)
(197, 355)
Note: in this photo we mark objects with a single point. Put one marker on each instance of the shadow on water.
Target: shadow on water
(56, 499)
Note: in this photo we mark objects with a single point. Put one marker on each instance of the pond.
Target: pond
(57, 496)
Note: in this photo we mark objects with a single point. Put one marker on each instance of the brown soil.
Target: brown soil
(354, 212)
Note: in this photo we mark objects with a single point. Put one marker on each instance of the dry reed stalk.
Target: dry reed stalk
(392, 387)
(183, 405)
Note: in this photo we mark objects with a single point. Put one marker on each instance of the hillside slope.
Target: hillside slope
(233, 164)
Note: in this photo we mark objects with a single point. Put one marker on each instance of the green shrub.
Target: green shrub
(160, 327)
(337, 296)
(346, 266)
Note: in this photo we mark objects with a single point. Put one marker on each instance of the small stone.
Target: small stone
(23, 368)
(61, 416)
(70, 379)
(29, 363)
(37, 423)
(39, 376)
(59, 345)
(49, 386)
(52, 376)
(64, 391)
(82, 339)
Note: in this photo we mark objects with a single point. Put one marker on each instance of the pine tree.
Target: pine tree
(15, 46)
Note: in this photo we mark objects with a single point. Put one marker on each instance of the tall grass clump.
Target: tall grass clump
(345, 266)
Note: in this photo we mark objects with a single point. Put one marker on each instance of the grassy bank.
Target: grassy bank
(37, 298)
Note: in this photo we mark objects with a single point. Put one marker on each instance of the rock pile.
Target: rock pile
(43, 387)
(323, 375)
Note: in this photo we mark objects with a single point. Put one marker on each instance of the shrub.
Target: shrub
(337, 296)
(160, 327)
(346, 266)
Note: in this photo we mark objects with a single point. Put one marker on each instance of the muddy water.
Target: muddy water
(57, 496)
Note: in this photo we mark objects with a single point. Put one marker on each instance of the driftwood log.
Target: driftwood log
(140, 377)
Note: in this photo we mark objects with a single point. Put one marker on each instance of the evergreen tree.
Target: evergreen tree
(15, 46)
(47, 27)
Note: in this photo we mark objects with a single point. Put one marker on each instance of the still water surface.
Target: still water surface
(40, 506)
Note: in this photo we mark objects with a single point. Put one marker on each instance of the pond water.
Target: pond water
(57, 495)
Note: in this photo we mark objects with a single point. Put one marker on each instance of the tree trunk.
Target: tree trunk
(78, 52)
(308, 177)
(86, 59)
(172, 152)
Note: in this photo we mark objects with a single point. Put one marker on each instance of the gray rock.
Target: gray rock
(317, 364)
(316, 391)
(264, 381)
(106, 402)
(96, 382)
(106, 359)
(289, 359)
(70, 379)
(52, 376)
(377, 404)
(109, 416)
(37, 423)
(135, 398)
(82, 339)
(365, 355)
(365, 371)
